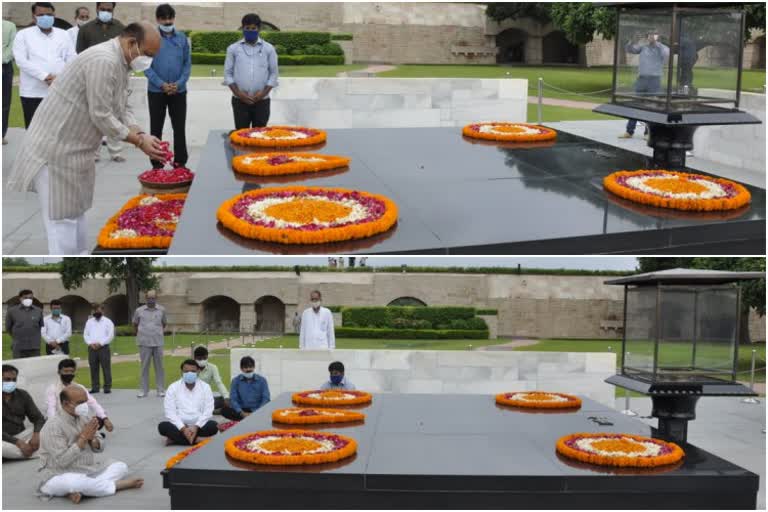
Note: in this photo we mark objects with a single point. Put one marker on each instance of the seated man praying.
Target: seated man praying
(68, 443)
(65, 378)
(188, 408)
(247, 393)
(337, 379)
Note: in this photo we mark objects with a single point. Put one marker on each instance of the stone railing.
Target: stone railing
(437, 371)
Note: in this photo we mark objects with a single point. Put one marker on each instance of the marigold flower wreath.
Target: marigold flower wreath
(509, 132)
(278, 136)
(539, 400)
(677, 190)
(280, 164)
(314, 416)
(290, 447)
(144, 222)
(307, 215)
(331, 397)
(184, 454)
(623, 450)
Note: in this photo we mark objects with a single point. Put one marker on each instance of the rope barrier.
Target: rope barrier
(566, 91)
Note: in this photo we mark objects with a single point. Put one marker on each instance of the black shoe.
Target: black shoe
(107, 391)
(94, 390)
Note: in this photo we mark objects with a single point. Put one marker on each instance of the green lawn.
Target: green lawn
(303, 71)
(292, 341)
(551, 113)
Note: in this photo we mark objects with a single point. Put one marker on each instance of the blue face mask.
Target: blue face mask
(105, 16)
(9, 387)
(336, 379)
(44, 21)
(167, 28)
(251, 35)
(190, 377)
(249, 375)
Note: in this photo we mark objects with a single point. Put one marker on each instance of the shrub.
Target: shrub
(214, 41)
(342, 37)
(283, 60)
(294, 40)
(124, 330)
(476, 323)
(323, 49)
(390, 316)
(280, 49)
(218, 41)
(406, 334)
(487, 311)
(334, 309)
(208, 58)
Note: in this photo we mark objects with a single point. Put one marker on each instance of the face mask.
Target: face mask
(316, 304)
(151, 302)
(167, 28)
(97, 315)
(67, 379)
(202, 362)
(81, 409)
(336, 379)
(44, 21)
(26, 302)
(9, 387)
(105, 16)
(251, 35)
(80, 23)
(190, 377)
(249, 375)
(141, 63)
(56, 312)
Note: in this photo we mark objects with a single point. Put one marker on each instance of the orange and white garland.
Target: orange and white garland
(677, 190)
(307, 215)
(280, 164)
(278, 136)
(623, 450)
(509, 132)
(290, 447)
(332, 397)
(539, 400)
(144, 222)
(185, 453)
(313, 416)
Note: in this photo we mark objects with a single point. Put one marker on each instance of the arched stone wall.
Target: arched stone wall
(407, 301)
(556, 49)
(76, 308)
(270, 315)
(116, 309)
(220, 314)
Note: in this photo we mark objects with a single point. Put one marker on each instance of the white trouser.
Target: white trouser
(97, 486)
(11, 451)
(65, 236)
(114, 146)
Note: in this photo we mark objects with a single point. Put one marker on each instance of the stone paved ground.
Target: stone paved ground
(724, 426)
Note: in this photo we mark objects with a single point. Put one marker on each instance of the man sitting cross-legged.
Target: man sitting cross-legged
(66, 377)
(67, 444)
(188, 408)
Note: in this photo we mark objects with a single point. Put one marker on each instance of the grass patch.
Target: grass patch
(552, 113)
(204, 70)
(292, 341)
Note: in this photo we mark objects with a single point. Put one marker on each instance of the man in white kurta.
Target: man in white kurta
(188, 408)
(88, 100)
(317, 331)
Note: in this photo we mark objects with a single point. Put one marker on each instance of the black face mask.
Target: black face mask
(67, 379)
(97, 315)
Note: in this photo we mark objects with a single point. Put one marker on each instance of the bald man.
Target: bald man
(67, 444)
(149, 322)
(87, 101)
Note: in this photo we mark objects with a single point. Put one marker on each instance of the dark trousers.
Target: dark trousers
(29, 106)
(169, 430)
(176, 106)
(19, 353)
(218, 403)
(63, 346)
(233, 415)
(645, 85)
(250, 116)
(7, 94)
(100, 358)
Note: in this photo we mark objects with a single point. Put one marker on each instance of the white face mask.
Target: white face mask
(316, 304)
(81, 409)
(26, 303)
(141, 63)
(202, 362)
(80, 22)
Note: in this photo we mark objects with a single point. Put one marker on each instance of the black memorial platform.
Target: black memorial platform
(459, 196)
(457, 451)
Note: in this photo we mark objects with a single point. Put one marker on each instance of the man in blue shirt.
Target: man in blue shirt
(336, 379)
(167, 84)
(247, 393)
(250, 71)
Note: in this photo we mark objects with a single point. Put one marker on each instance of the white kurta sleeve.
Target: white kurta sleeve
(303, 331)
(171, 412)
(331, 332)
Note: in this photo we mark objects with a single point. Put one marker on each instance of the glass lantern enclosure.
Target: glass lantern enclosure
(678, 58)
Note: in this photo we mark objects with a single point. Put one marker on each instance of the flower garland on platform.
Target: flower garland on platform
(332, 397)
(223, 427)
(185, 453)
(677, 190)
(307, 215)
(280, 164)
(312, 416)
(278, 136)
(509, 132)
(290, 447)
(539, 400)
(623, 450)
(144, 222)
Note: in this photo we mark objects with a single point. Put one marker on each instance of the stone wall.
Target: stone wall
(356, 103)
(528, 305)
(437, 371)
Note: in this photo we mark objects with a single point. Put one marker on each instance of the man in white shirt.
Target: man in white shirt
(57, 329)
(317, 326)
(41, 52)
(188, 408)
(82, 15)
(98, 334)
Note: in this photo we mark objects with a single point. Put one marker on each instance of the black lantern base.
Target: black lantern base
(674, 413)
(669, 145)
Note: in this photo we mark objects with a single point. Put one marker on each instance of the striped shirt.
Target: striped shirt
(89, 100)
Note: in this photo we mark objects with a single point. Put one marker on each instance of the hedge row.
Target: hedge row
(218, 41)
(487, 311)
(342, 37)
(416, 334)
(407, 317)
(283, 60)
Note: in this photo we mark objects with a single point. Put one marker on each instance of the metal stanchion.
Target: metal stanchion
(751, 399)
(541, 100)
(627, 409)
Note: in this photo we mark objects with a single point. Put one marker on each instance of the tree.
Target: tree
(134, 273)
(753, 292)
(15, 262)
